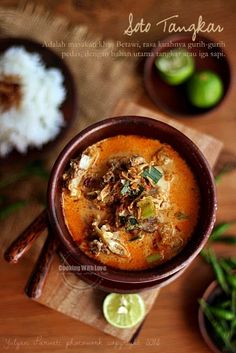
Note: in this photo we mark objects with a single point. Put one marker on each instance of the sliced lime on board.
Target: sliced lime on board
(123, 310)
(205, 89)
(175, 66)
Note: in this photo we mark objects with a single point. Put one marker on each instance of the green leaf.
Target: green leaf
(218, 328)
(231, 261)
(231, 279)
(152, 173)
(34, 168)
(8, 210)
(222, 313)
(205, 255)
(226, 267)
(220, 275)
(233, 308)
(37, 168)
(225, 170)
(153, 257)
(233, 302)
(13, 178)
(3, 198)
(133, 221)
(226, 239)
(125, 189)
(220, 229)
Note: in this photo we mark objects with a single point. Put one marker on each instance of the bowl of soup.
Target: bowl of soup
(132, 201)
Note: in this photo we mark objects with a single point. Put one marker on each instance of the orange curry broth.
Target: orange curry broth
(184, 194)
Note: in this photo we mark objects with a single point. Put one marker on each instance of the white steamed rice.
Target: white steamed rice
(38, 119)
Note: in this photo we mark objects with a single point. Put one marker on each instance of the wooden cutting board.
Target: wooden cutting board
(66, 293)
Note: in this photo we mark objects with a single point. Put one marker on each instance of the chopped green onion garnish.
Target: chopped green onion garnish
(125, 189)
(132, 221)
(153, 257)
(152, 173)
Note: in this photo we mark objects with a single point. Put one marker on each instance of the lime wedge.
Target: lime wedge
(205, 89)
(123, 310)
(175, 66)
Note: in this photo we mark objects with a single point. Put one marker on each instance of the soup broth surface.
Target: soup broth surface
(130, 202)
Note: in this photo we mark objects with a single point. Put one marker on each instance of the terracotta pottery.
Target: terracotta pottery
(172, 99)
(69, 107)
(212, 291)
(152, 129)
(111, 279)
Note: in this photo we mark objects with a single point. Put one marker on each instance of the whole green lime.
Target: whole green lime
(175, 66)
(205, 89)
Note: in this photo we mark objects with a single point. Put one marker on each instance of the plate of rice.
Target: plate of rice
(38, 99)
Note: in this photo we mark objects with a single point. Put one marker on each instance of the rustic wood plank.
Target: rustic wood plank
(65, 292)
(171, 326)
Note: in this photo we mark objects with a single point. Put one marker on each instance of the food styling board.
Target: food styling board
(67, 294)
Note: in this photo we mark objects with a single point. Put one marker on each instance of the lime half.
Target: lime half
(175, 66)
(123, 310)
(205, 89)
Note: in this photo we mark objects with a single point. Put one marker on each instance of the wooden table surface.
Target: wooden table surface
(172, 325)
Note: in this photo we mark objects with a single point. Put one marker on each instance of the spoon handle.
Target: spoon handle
(25, 240)
(37, 279)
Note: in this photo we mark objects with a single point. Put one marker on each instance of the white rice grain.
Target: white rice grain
(38, 118)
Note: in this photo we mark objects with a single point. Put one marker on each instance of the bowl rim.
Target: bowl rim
(120, 287)
(66, 239)
(149, 62)
(212, 287)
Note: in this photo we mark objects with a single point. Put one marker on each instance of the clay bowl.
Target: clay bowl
(212, 292)
(172, 99)
(96, 281)
(152, 129)
(68, 107)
